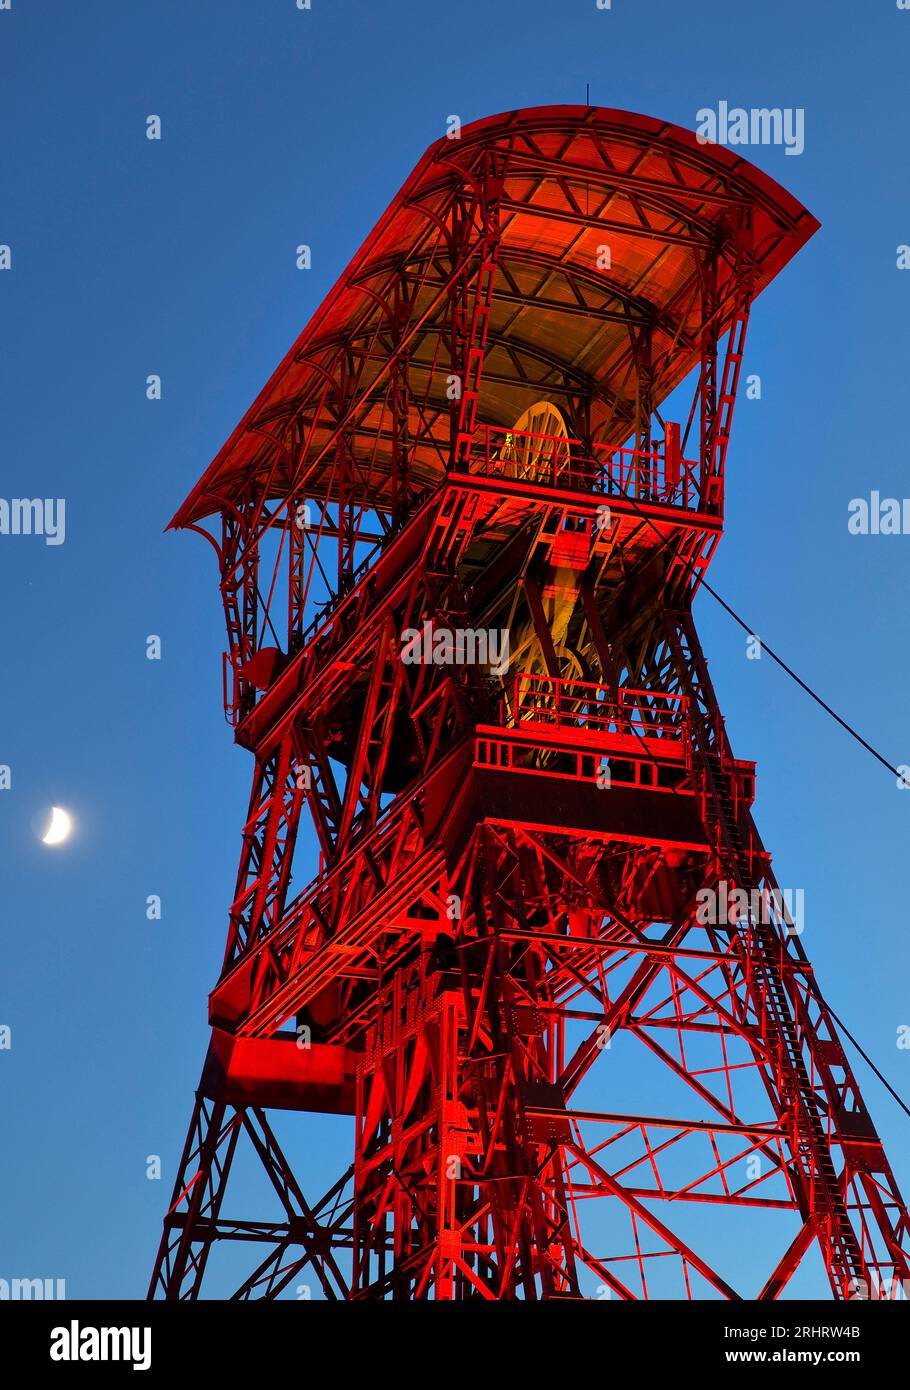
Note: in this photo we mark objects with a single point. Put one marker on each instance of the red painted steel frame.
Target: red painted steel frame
(564, 1077)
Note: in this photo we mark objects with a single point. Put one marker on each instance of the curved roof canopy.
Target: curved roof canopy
(608, 223)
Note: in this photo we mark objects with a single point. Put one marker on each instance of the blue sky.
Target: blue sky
(176, 257)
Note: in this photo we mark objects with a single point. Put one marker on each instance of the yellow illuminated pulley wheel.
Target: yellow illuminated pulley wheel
(538, 445)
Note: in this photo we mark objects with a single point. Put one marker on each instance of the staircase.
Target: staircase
(762, 951)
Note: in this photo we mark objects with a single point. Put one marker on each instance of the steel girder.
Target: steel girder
(558, 1073)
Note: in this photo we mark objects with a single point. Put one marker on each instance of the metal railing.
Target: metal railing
(572, 704)
(659, 474)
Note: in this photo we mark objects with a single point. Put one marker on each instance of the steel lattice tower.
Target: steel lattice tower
(566, 1078)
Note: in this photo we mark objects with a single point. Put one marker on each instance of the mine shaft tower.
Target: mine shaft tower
(468, 913)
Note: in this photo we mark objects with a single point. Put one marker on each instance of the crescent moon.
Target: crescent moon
(59, 828)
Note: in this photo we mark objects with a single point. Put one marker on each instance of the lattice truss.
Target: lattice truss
(473, 919)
